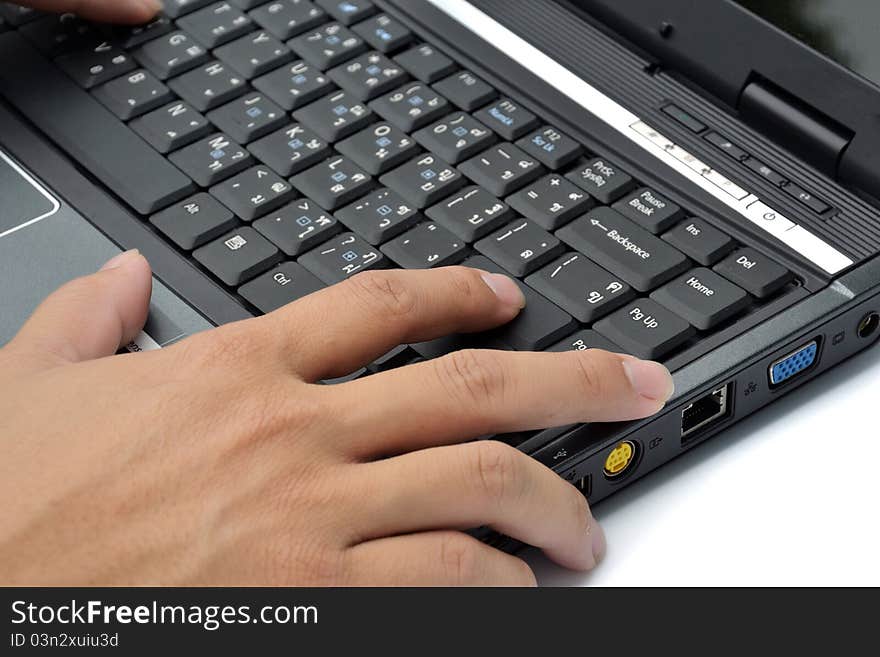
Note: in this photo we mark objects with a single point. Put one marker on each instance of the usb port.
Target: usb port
(705, 412)
(794, 363)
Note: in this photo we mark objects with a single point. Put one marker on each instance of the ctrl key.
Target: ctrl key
(645, 329)
(280, 286)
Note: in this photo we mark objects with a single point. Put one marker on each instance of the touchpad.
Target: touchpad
(24, 201)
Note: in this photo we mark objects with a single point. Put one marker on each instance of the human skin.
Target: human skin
(219, 460)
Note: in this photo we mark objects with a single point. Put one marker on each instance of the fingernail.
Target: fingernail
(505, 289)
(597, 538)
(119, 260)
(154, 6)
(649, 379)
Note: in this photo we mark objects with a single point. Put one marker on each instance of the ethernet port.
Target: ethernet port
(706, 412)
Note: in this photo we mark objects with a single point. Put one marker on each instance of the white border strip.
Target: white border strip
(24, 174)
(637, 131)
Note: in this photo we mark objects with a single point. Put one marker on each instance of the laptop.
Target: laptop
(691, 182)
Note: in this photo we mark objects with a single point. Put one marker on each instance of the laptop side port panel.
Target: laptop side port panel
(794, 363)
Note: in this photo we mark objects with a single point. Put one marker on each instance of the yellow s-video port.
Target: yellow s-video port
(620, 459)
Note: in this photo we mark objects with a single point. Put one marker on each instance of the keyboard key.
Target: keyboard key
(702, 297)
(210, 160)
(217, 24)
(96, 65)
(649, 209)
(254, 54)
(280, 286)
(298, 226)
(411, 106)
(291, 149)
(379, 216)
(176, 8)
(131, 36)
(333, 183)
(508, 119)
(348, 11)
(552, 148)
(358, 373)
(87, 131)
(328, 46)
(425, 246)
(551, 201)
(336, 116)
(17, 15)
(455, 137)
(645, 329)
(700, 240)
(171, 54)
(248, 117)
(238, 256)
(287, 18)
(538, 325)
(171, 127)
(56, 34)
(194, 221)
(501, 169)
(378, 148)
(755, 272)
(623, 248)
(341, 257)
(465, 90)
(425, 63)
(133, 94)
(294, 85)
(580, 287)
(253, 193)
(367, 76)
(423, 180)
(209, 86)
(583, 340)
(602, 180)
(384, 33)
(520, 247)
(471, 213)
(247, 4)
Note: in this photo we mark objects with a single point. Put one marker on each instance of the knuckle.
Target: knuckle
(477, 375)
(459, 558)
(385, 292)
(525, 576)
(591, 375)
(462, 282)
(497, 469)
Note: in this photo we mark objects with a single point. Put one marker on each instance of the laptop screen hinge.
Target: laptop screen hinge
(814, 136)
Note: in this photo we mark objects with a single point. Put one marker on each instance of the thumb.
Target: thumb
(111, 11)
(92, 316)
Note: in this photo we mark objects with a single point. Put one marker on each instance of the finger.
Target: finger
(91, 316)
(373, 312)
(108, 11)
(480, 483)
(472, 393)
(441, 558)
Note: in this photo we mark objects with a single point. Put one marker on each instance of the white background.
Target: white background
(788, 496)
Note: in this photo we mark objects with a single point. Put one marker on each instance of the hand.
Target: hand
(219, 461)
(107, 11)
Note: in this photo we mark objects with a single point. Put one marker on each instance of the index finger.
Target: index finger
(107, 11)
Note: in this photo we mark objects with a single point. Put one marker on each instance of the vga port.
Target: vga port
(795, 363)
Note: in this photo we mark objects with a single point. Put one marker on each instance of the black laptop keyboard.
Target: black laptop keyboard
(321, 139)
